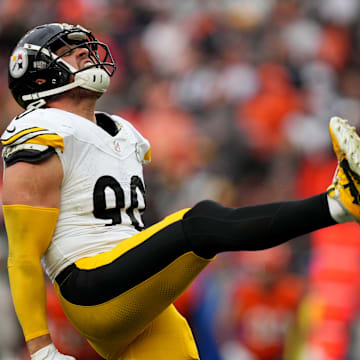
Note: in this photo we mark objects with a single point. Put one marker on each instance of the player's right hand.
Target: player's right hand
(50, 352)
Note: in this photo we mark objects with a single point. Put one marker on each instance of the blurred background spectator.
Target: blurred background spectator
(235, 97)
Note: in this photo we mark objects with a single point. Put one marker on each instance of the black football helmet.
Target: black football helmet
(34, 58)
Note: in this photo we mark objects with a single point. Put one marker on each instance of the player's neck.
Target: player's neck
(84, 107)
(86, 110)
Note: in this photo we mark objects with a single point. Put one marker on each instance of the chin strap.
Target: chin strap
(36, 104)
(94, 79)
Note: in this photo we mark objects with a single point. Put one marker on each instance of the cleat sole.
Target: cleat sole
(346, 142)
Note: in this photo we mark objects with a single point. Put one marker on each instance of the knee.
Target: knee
(208, 208)
(203, 227)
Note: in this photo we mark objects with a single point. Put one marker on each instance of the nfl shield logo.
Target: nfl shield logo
(117, 145)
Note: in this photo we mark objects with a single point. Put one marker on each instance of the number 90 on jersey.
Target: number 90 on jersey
(102, 211)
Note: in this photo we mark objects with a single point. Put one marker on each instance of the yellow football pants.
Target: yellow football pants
(140, 323)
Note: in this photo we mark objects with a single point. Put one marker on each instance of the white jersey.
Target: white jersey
(102, 193)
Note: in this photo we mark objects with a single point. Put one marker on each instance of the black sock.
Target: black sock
(212, 228)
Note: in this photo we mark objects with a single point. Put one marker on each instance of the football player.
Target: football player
(74, 193)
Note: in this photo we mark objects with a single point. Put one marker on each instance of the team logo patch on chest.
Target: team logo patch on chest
(18, 63)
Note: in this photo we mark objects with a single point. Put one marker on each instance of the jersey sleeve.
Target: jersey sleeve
(30, 139)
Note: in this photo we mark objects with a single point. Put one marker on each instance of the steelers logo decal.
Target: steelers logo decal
(18, 63)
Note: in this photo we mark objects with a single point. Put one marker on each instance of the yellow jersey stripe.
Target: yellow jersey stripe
(20, 134)
(53, 140)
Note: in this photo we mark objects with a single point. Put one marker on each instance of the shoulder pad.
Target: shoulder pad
(32, 153)
(27, 128)
(143, 152)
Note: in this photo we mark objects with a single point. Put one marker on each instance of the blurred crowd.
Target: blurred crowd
(235, 97)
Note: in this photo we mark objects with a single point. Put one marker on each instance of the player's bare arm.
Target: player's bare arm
(33, 184)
